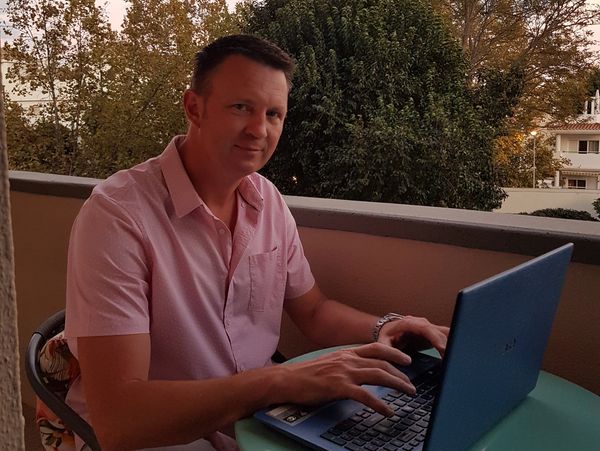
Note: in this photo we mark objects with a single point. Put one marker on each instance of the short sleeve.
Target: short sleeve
(108, 272)
(299, 276)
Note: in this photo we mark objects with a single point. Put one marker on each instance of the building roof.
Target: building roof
(580, 172)
(589, 120)
(581, 126)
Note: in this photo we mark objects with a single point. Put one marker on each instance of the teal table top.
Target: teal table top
(556, 416)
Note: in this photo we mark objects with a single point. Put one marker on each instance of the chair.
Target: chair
(278, 357)
(51, 368)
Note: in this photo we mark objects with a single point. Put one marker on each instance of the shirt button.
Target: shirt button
(221, 232)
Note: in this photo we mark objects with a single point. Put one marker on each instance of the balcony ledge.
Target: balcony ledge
(504, 232)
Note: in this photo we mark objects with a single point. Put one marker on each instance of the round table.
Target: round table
(556, 416)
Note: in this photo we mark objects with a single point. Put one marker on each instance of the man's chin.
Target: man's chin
(249, 167)
(252, 161)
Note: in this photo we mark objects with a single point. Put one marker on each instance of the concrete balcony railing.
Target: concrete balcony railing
(377, 257)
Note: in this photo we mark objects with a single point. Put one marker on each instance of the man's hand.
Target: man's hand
(412, 333)
(340, 374)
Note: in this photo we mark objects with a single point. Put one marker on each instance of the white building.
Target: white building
(32, 102)
(580, 143)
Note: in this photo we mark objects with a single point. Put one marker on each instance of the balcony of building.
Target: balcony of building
(376, 257)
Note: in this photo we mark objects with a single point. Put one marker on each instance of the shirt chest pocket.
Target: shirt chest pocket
(267, 280)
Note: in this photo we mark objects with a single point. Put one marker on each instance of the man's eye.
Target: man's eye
(274, 114)
(240, 107)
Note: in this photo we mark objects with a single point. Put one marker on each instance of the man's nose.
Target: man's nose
(257, 126)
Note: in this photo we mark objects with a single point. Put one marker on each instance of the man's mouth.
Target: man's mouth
(248, 148)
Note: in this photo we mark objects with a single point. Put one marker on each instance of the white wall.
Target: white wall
(528, 199)
(570, 143)
(582, 160)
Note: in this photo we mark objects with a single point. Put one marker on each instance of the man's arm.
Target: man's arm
(129, 412)
(329, 323)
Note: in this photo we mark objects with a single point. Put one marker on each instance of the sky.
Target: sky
(595, 28)
(116, 10)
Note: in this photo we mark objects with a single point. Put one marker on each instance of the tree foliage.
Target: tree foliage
(596, 205)
(58, 52)
(386, 107)
(513, 159)
(139, 110)
(549, 42)
(32, 145)
(563, 213)
(113, 98)
(549, 39)
(592, 81)
(380, 108)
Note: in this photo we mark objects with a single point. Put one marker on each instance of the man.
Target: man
(179, 268)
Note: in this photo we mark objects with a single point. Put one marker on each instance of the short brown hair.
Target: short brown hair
(252, 47)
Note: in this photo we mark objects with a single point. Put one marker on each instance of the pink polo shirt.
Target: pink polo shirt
(146, 255)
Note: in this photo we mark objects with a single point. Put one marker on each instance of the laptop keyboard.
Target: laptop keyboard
(405, 430)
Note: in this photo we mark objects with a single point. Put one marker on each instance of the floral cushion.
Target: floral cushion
(59, 369)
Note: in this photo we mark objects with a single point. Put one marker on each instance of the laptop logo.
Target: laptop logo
(508, 347)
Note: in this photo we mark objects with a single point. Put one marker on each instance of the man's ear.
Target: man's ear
(193, 104)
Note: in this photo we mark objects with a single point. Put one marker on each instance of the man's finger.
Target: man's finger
(376, 376)
(442, 343)
(382, 352)
(367, 363)
(445, 330)
(436, 338)
(368, 399)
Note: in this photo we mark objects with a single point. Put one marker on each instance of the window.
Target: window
(576, 184)
(589, 146)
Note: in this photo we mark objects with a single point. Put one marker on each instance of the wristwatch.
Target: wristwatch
(382, 321)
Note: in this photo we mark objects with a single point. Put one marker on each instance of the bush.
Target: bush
(381, 108)
(564, 213)
(596, 205)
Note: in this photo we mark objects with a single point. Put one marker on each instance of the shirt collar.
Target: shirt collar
(250, 193)
(183, 194)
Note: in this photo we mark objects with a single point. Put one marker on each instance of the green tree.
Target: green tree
(149, 68)
(573, 93)
(548, 39)
(113, 98)
(380, 108)
(593, 81)
(596, 205)
(513, 159)
(548, 42)
(58, 50)
(32, 144)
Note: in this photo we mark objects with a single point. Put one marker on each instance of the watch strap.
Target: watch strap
(383, 321)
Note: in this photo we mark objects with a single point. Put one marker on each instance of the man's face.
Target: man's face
(243, 110)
